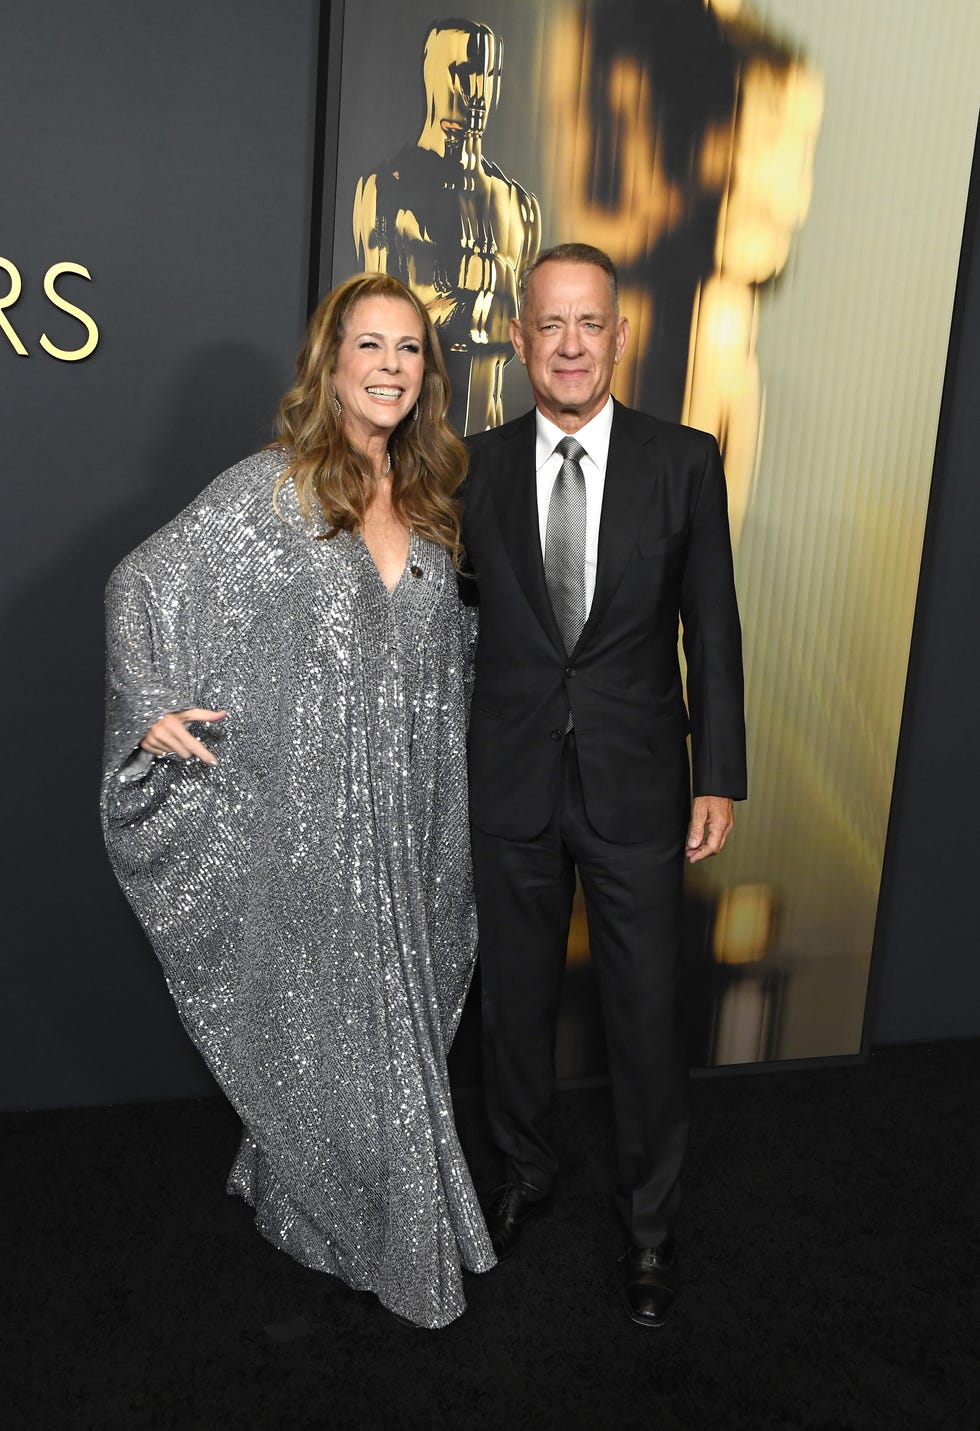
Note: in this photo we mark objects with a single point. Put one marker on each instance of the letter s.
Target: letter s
(69, 355)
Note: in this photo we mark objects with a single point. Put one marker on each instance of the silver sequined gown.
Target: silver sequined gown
(309, 897)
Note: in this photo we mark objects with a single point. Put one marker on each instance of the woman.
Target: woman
(285, 802)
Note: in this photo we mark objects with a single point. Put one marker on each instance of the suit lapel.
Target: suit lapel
(631, 473)
(515, 499)
(631, 470)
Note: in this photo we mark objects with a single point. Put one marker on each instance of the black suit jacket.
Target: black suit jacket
(664, 554)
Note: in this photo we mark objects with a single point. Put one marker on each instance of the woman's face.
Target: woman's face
(380, 366)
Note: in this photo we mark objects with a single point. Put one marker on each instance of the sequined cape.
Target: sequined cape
(310, 897)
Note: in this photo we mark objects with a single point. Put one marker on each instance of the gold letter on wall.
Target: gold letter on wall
(7, 302)
(69, 355)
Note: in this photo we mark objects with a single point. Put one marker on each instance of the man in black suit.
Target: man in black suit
(590, 529)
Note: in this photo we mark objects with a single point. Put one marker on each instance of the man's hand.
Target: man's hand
(712, 820)
(169, 735)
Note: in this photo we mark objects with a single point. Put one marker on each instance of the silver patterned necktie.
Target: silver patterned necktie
(564, 543)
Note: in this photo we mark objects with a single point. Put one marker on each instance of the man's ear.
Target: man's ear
(517, 337)
(622, 336)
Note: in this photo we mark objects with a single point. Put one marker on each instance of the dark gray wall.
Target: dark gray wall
(927, 967)
(168, 149)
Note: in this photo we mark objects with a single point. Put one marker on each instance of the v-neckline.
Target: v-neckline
(389, 591)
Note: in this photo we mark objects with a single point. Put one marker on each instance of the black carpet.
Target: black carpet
(830, 1250)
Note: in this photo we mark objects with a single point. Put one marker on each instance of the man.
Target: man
(447, 221)
(590, 528)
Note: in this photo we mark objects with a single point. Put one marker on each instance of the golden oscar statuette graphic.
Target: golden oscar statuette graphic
(687, 154)
(448, 222)
(64, 355)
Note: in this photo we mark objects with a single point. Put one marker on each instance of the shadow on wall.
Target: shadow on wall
(88, 1018)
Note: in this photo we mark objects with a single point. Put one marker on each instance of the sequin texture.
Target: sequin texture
(310, 897)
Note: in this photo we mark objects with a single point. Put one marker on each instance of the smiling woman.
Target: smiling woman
(378, 375)
(303, 869)
(350, 411)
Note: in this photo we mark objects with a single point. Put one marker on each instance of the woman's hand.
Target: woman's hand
(169, 735)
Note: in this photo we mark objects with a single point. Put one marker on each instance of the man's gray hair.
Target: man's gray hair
(570, 253)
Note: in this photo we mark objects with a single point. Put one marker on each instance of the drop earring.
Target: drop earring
(415, 414)
(336, 400)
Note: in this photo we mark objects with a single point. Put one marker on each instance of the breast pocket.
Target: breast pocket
(478, 708)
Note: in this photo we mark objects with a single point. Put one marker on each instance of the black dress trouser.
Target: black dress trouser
(524, 891)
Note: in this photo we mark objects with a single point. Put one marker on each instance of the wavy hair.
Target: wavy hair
(428, 460)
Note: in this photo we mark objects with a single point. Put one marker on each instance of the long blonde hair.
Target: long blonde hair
(428, 460)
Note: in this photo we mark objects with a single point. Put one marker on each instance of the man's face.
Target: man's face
(570, 338)
(460, 72)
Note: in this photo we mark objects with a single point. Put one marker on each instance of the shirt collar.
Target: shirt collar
(594, 436)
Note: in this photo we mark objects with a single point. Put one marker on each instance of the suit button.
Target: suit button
(556, 735)
(569, 671)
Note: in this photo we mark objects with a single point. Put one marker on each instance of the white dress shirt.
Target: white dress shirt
(594, 437)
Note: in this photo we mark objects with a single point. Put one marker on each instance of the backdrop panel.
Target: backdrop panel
(166, 150)
(783, 189)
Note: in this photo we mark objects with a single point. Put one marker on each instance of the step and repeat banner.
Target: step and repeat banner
(782, 187)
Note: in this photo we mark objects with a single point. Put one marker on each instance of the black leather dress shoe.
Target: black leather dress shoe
(509, 1208)
(651, 1283)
